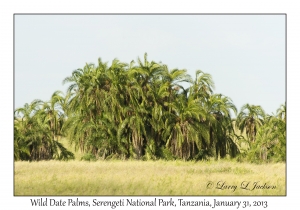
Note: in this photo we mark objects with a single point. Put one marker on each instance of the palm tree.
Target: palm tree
(185, 129)
(250, 119)
(21, 149)
(173, 79)
(203, 86)
(34, 137)
(222, 136)
(55, 116)
(96, 91)
(270, 144)
(145, 73)
(135, 110)
(26, 130)
(281, 112)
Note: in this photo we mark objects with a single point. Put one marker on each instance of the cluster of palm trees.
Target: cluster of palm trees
(37, 129)
(140, 111)
(267, 134)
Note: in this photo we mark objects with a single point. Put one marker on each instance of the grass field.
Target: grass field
(148, 178)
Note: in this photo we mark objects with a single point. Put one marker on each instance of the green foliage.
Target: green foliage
(142, 111)
(250, 119)
(270, 144)
(37, 128)
(63, 153)
(165, 154)
(201, 155)
(88, 157)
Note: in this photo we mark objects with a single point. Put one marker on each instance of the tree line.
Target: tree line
(143, 110)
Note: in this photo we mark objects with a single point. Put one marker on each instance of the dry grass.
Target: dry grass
(145, 178)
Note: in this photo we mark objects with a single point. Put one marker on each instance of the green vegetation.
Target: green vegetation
(117, 177)
(143, 111)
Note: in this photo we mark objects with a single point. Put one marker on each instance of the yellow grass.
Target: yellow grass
(146, 178)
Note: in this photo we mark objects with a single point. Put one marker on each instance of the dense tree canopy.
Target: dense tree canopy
(143, 110)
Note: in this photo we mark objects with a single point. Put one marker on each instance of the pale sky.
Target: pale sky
(245, 54)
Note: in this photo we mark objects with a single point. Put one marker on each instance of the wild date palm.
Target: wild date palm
(161, 95)
(26, 130)
(203, 86)
(270, 144)
(54, 113)
(250, 118)
(21, 149)
(134, 124)
(222, 136)
(185, 129)
(34, 130)
(97, 91)
(138, 110)
(154, 116)
(145, 72)
(281, 112)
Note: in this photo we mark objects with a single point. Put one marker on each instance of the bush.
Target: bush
(88, 157)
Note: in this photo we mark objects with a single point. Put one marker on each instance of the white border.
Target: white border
(8, 8)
